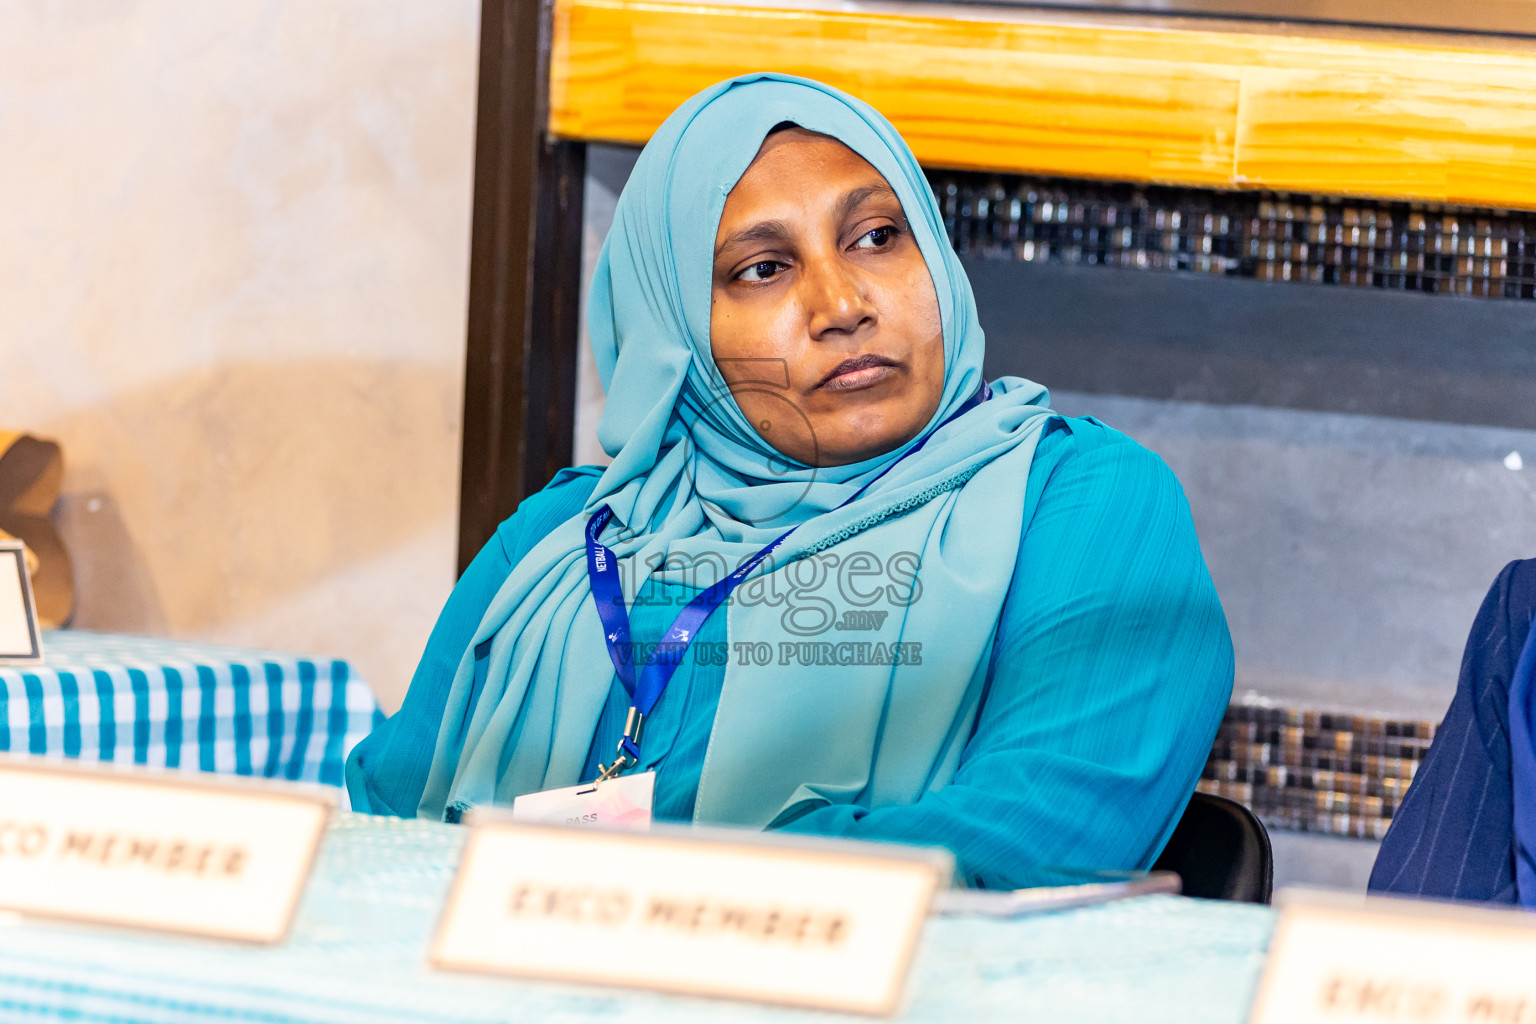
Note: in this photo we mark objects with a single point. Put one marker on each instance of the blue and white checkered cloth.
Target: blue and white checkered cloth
(169, 704)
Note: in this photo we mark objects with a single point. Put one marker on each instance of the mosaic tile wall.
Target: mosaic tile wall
(1313, 771)
(1418, 247)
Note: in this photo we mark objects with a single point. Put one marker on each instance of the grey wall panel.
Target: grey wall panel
(1350, 552)
(1229, 341)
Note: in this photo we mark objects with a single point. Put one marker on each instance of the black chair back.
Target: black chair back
(1221, 851)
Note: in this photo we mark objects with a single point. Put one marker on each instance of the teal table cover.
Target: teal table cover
(170, 704)
(358, 954)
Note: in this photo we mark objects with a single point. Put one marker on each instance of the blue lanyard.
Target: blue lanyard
(646, 689)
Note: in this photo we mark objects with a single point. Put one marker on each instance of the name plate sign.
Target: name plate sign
(1334, 959)
(20, 642)
(144, 850)
(763, 918)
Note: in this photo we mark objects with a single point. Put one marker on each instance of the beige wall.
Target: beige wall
(233, 265)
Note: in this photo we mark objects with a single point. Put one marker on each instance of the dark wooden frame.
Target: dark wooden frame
(524, 278)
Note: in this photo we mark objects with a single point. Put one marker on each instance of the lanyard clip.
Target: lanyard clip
(622, 763)
(628, 754)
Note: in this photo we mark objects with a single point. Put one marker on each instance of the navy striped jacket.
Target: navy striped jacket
(1453, 836)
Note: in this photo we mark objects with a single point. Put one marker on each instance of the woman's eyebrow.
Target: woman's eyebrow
(763, 231)
(855, 198)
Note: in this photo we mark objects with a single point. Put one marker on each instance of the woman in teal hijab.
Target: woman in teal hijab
(984, 626)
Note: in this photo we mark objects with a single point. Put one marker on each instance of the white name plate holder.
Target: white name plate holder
(20, 641)
(766, 918)
(151, 850)
(1340, 959)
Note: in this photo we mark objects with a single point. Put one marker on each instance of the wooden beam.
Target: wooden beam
(1345, 112)
(520, 362)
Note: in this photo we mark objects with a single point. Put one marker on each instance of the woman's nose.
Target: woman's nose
(838, 300)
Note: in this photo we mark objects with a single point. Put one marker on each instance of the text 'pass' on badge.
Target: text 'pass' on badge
(623, 803)
(742, 915)
(149, 850)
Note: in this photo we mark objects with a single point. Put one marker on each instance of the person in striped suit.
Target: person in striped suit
(1455, 836)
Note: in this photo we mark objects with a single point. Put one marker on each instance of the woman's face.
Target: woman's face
(823, 318)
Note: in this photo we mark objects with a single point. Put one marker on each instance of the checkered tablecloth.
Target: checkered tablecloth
(359, 947)
(164, 703)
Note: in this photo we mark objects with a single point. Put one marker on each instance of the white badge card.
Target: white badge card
(20, 641)
(1353, 960)
(143, 849)
(619, 803)
(767, 918)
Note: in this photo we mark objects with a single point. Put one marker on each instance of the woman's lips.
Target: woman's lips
(858, 373)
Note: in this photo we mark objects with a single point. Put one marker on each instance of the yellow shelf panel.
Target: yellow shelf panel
(999, 89)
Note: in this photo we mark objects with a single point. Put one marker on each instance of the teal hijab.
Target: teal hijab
(692, 485)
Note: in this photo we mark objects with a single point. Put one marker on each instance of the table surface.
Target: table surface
(357, 953)
(196, 707)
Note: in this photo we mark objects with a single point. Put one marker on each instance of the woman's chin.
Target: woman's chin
(861, 445)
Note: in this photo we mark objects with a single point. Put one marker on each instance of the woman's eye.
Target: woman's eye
(760, 271)
(876, 239)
